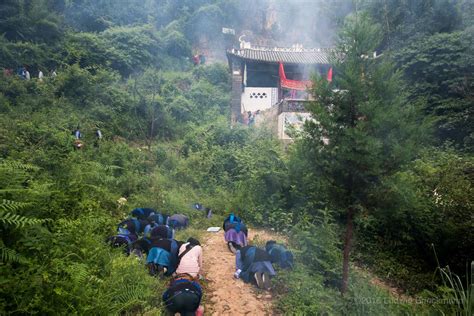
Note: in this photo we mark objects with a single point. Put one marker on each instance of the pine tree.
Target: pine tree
(364, 130)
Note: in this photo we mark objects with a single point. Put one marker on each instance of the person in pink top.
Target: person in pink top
(190, 258)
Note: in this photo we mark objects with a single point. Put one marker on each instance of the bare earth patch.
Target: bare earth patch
(226, 295)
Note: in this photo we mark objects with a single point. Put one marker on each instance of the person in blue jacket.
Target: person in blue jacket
(253, 265)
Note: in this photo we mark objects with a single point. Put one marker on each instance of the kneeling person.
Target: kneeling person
(190, 258)
(279, 254)
(253, 263)
(162, 257)
(235, 232)
(178, 221)
(183, 295)
(160, 231)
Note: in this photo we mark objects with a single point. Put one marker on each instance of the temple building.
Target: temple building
(270, 84)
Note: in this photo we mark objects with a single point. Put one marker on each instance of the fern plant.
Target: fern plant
(12, 164)
(9, 255)
(7, 207)
(7, 217)
(12, 206)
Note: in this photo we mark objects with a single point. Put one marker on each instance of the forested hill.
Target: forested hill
(392, 193)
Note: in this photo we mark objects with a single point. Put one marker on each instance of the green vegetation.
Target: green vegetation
(396, 178)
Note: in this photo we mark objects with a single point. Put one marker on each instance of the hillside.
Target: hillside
(391, 193)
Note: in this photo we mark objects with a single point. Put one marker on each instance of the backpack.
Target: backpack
(232, 221)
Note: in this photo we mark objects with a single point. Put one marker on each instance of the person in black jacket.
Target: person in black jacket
(253, 264)
(183, 295)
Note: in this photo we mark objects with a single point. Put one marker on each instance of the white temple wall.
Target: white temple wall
(254, 99)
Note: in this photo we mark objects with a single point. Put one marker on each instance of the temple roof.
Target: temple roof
(291, 55)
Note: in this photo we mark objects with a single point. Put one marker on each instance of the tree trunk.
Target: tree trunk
(347, 250)
(152, 131)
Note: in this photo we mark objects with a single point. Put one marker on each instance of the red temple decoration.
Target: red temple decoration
(330, 75)
(292, 84)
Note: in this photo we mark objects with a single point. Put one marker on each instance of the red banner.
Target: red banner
(292, 84)
(330, 75)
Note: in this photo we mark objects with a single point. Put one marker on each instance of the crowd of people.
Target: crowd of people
(254, 264)
(79, 144)
(248, 118)
(24, 74)
(150, 235)
(199, 59)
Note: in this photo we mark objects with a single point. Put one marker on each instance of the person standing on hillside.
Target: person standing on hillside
(202, 59)
(98, 135)
(22, 72)
(245, 118)
(77, 138)
(251, 118)
(77, 133)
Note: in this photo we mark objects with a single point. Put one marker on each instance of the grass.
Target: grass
(454, 290)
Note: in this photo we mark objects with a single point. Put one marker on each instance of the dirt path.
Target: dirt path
(226, 295)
